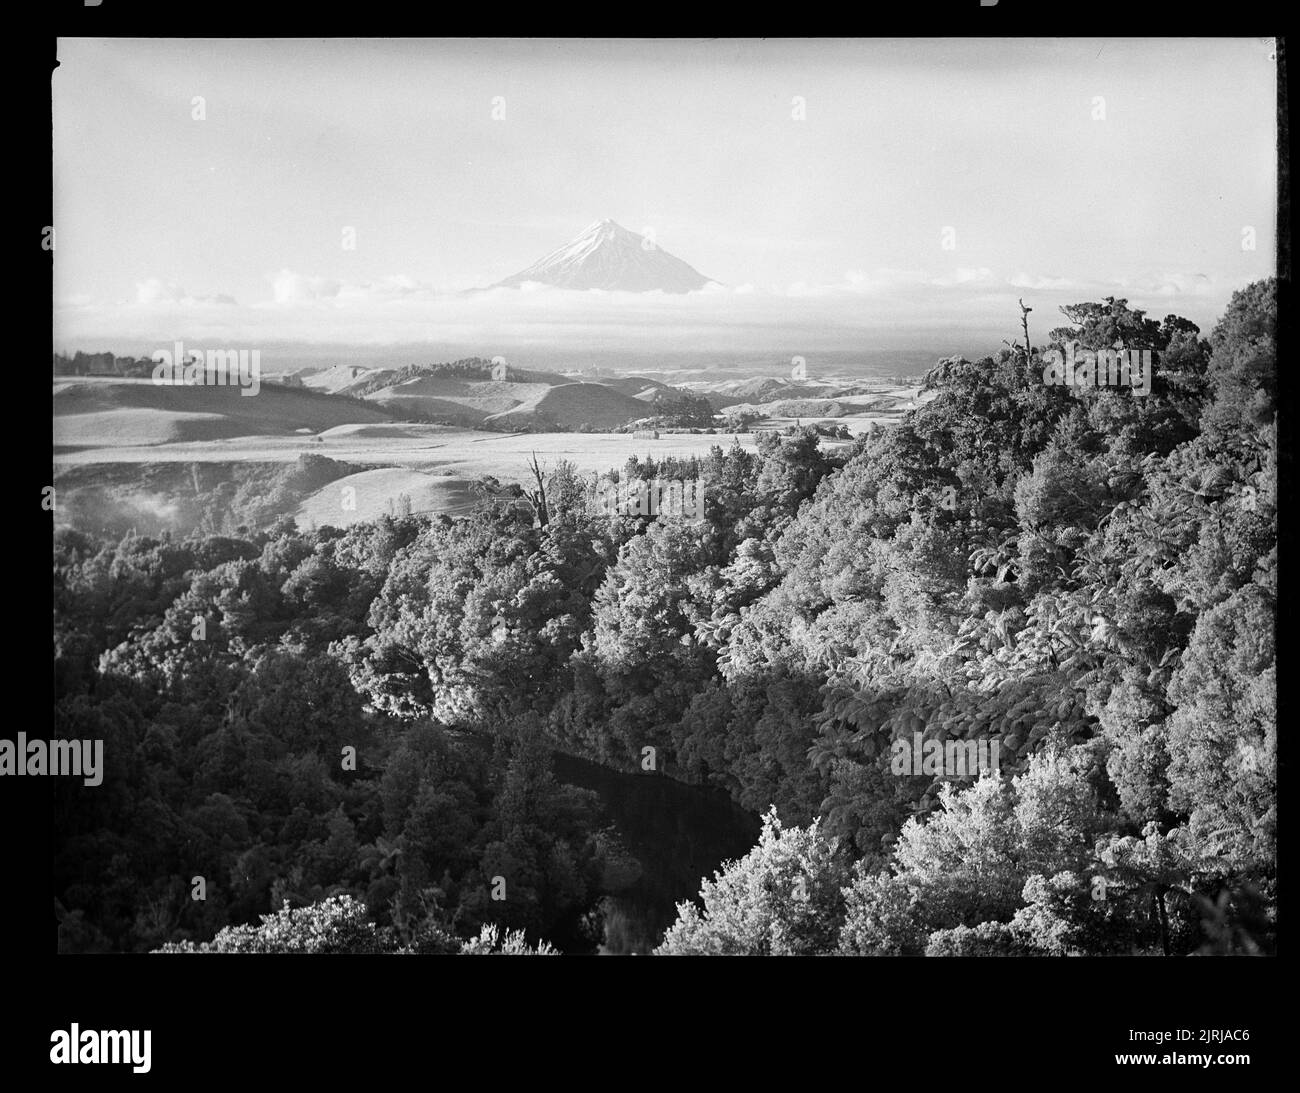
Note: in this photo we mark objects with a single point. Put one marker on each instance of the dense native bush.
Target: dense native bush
(1084, 576)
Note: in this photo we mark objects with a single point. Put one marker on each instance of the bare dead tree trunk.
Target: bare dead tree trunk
(538, 495)
(1024, 322)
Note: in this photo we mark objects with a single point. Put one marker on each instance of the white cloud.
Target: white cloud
(1038, 283)
(153, 291)
(1170, 284)
(290, 287)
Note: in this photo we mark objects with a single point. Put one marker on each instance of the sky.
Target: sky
(846, 194)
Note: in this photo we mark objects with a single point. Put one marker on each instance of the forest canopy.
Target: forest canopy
(1086, 576)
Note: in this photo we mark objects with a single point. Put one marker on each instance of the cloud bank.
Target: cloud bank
(866, 308)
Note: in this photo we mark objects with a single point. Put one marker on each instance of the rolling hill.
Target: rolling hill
(110, 411)
(571, 405)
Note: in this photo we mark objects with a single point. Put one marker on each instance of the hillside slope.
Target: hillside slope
(107, 411)
(571, 405)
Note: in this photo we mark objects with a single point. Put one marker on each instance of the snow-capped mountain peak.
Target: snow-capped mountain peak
(608, 256)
